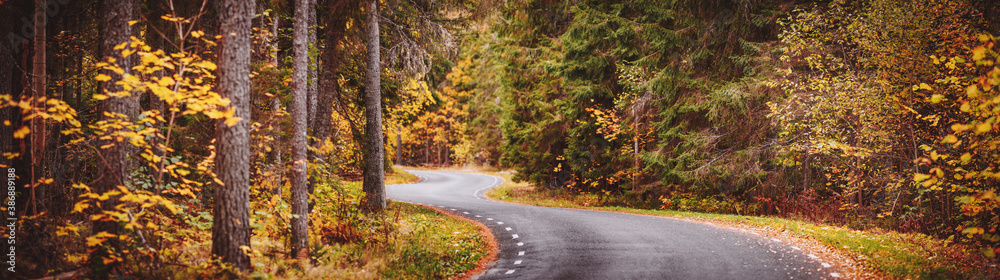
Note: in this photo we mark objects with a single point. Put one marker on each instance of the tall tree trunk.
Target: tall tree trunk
(231, 224)
(313, 86)
(300, 207)
(38, 132)
(313, 90)
(374, 182)
(334, 27)
(114, 168)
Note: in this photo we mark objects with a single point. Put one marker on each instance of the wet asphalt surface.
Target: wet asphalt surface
(557, 243)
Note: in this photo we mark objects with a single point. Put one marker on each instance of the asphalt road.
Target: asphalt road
(557, 243)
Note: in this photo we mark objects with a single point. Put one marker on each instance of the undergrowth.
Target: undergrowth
(404, 242)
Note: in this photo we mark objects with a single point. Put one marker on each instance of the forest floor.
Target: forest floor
(425, 244)
(869, 254)
(405, 242)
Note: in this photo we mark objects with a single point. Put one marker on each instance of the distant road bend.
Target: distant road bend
(557, 243)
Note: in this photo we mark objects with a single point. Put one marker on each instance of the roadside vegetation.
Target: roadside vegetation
(404, 242)
(880, 252)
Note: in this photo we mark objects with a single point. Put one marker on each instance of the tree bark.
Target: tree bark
(114, 168)
(300, 218)
(231, 224)
(38, 132)
(312, 67)
(374, 181)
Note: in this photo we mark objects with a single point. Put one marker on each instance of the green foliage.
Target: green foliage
(631, 96)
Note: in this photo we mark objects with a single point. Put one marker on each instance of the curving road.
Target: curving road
(557, 243)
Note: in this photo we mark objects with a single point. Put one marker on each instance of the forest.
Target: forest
(190, 139)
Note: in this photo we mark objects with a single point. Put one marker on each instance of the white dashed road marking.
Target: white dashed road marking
(521, 253)
(520, 244)
(835, 275)
(466, 213)
(515, 236)
(517, 262)
(508, 229)
(826, 265)
(489, 219)
(499, 223)
(509, 271)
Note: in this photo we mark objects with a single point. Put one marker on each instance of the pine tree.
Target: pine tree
(300, 206)
(374, 171)
(231, 222)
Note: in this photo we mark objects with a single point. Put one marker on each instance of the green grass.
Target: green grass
(421, 243)
(885, 253)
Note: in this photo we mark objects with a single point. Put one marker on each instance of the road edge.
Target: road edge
(848, 267)
(493, 247)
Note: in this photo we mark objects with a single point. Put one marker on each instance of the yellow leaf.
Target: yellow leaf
(972, 91)
(936, 98)
(232, 121)
(20, 133)
(919, 177)
(80, 206)
(978, 53)
(132, 22)
(166, 81)
(207, 65)
(973, 230)
(64, 230)
(938, 172)
(103, 78)
(121, 46)
(966, 107)
(925, 86)
(983, 127)
(966, 158)
(93, 242)
(949, 139)
(960, 127)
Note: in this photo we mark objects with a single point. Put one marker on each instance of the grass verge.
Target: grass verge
(880, 253)
(404, 242)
